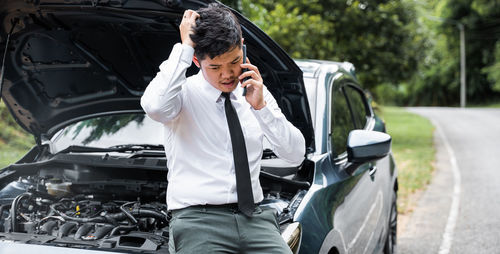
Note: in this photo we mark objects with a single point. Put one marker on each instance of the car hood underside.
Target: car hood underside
(70, 60)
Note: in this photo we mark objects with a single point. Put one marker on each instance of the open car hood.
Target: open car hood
(68, 60)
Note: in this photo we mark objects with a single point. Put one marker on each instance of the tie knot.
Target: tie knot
(226, 95)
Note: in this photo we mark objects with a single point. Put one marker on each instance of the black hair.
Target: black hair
(217, 31)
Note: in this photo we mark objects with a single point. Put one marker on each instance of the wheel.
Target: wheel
(390, 242)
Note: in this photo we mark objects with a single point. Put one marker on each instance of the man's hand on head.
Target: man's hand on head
(186, 27)
(254, 85)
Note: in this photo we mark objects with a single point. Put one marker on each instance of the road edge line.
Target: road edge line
(445, 246)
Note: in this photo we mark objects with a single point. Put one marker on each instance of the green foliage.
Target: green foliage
(375, 35)
(389, 94)
(406, 51)
(14, 141)
(438, 79)
(298, 33)
(493, 71)
(12, 135)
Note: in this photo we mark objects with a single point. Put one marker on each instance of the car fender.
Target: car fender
(334, 239)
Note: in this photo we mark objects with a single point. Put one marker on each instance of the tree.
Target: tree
(375, 35)
(438, 79)
(493, 71)
(399, 52)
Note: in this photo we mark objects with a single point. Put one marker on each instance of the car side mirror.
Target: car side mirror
(364, 146)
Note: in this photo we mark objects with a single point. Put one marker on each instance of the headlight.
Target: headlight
(293, 235)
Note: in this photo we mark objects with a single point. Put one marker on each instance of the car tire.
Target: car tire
(392, 229)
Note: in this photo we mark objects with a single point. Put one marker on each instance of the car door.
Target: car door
(358, 216)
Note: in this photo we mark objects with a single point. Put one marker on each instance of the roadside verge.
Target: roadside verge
(414, 152)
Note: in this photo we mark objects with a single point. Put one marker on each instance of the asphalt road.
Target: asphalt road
(460, 210)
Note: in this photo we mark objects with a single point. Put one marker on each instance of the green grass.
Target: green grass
(414, 152)
(14, 141)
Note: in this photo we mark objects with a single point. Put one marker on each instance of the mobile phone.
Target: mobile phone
(244, 48)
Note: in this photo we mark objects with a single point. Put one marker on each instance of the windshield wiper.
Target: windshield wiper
(117, 148)
(138, 147)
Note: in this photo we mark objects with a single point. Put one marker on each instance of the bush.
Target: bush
(12, 135)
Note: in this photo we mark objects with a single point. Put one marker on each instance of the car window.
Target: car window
(341, 122)
(357, 103)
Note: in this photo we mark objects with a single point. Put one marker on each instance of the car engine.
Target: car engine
(54, 213)
(88, 207)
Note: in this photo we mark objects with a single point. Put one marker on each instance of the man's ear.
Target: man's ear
(196, 62)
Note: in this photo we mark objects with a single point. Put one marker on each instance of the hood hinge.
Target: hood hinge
(38, 140)
(42, 140)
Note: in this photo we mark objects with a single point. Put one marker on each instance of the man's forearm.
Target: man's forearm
(287, 141)
(162, 99)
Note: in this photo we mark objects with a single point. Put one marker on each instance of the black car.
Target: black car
(73, 75)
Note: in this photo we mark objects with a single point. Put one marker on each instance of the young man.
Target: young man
(213, 139)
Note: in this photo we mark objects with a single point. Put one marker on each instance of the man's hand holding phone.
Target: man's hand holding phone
(251, 80)
(186, 26)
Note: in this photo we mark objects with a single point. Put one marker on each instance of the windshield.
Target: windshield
(112, 130)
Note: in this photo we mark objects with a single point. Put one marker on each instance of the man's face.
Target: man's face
(223, 70)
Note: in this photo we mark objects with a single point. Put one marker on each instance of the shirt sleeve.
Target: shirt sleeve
(286, 140)
(162, 99)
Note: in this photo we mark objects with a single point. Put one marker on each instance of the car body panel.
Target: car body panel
(346, 211)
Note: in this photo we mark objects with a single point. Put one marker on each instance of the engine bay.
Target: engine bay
(104, 207)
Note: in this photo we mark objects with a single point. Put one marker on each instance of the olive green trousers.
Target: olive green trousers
(220, 229)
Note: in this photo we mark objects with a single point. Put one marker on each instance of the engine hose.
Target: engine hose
(141, 213)
(149, 213)
(13, 210)
(99, 219)
(122, 228)
(127, 213)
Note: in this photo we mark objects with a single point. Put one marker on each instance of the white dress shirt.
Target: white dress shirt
(196, 135)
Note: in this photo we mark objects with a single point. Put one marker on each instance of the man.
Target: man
(213, 139)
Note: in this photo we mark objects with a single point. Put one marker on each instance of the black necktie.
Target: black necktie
(243, 184)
